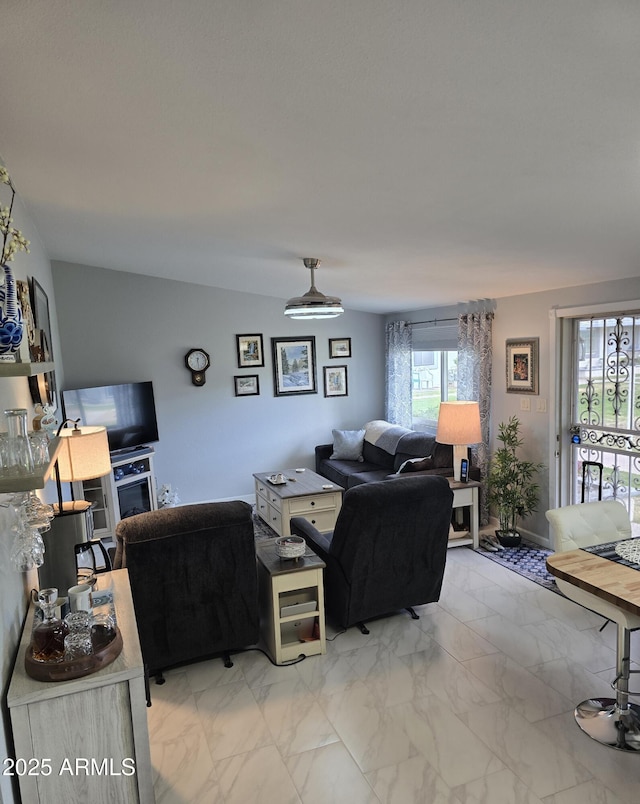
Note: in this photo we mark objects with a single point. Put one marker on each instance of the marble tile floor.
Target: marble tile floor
(470, 704)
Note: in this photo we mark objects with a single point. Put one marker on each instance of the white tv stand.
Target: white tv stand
(129, 488)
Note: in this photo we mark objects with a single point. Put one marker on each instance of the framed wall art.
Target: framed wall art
(41, 386)
(24, 296)
(294, 366)
(339, 347)
(250, 351)
(246, 385)
(522, 365)
(40, 308)
(335, 381)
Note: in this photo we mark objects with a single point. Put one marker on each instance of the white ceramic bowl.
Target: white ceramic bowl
(290, 546)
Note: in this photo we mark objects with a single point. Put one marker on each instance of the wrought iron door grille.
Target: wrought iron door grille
(606, 408)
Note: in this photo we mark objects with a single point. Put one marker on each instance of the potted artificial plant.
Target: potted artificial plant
(512, 488)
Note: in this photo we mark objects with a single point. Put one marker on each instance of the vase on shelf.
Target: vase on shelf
(11, 326)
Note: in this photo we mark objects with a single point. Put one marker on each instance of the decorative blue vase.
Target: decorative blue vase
(11, 327)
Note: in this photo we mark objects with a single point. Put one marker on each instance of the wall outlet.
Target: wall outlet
(525, 403)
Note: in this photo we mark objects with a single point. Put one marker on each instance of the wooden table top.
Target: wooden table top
(271, 561)
(298, 484)
(607, 579)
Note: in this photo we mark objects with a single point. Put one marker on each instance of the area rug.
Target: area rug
(528, 560)
(260, 528)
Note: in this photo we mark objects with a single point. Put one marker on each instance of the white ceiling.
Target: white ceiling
(427, 151)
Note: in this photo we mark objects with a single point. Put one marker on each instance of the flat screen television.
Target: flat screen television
(128, 411)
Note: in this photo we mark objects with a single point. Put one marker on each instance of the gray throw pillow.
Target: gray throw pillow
(347, 445)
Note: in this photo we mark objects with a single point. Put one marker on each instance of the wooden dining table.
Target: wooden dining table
(602, 577)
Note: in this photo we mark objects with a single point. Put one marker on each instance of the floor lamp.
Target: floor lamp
(459, 425)
(83, 455)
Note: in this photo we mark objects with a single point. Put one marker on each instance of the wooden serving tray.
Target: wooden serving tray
(77, 668)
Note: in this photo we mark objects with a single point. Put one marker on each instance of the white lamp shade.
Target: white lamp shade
(84, 454)
(459, 423)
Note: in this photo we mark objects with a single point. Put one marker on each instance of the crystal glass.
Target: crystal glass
(49, 635)
(103, 630)
(27, 550)
(77, 645)
(4, 440)
(39, 441)
(37, 513)
(79, 621)
(19, 458)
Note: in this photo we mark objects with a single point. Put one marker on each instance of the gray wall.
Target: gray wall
(120, 327)
(14, 586)
(528, 316)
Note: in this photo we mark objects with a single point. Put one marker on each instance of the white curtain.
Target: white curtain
(398, 373)
(474, 383)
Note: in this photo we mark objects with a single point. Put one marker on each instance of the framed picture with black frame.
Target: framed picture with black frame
(294, 366)
(335, 381)
(41, 386)
(339, 347)
(522, 365)
(250, 352)
(246, 385)
(40, 309)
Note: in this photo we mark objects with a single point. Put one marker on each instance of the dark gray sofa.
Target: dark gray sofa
(386, 449)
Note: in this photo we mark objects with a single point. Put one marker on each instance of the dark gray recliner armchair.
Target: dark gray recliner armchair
(193, 579)
(388, 549)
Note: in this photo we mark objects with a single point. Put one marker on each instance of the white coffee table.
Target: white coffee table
(305, 494)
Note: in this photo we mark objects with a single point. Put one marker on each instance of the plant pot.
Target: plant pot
(510, 539)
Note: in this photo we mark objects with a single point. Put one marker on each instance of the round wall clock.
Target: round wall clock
(197, 361)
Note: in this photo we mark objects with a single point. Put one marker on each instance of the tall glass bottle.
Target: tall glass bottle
(48, 636)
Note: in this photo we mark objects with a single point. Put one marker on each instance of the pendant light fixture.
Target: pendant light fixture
(313, 304)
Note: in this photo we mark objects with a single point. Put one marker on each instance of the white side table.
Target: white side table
(467, 495)
(291, 603)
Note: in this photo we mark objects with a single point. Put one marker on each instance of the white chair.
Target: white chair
(613, 722)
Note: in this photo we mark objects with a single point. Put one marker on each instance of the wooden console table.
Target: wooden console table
(85, 728)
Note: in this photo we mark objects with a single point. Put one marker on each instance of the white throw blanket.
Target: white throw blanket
(384, 434)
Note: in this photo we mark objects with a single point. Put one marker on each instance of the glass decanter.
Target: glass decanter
(48, 636)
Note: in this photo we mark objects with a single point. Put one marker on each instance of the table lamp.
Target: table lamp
(83, 455)
(459, 425)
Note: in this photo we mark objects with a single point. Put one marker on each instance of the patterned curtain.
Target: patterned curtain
(474, 383)
(398, 373)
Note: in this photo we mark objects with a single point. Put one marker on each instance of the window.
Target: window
(434, 379)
